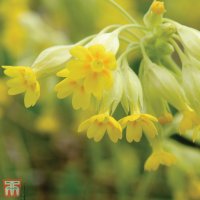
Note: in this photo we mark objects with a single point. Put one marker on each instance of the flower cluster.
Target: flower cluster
(95, 72)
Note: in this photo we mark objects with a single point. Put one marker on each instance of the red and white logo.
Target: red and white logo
(12, 187)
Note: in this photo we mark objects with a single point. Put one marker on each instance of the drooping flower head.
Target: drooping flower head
(23, 80)
(97, 125)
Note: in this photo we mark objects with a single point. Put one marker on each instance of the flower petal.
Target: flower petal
(81, 53)
(133, 132)
(149, 128)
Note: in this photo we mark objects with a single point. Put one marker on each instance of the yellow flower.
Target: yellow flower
(158, 158)
(158, 7)
(137, 123)
(97, 125)
(23, 80)
(95, 66)
(47, 123)
(189, 121)
(165, 118)
(68, 86)
(194, 189)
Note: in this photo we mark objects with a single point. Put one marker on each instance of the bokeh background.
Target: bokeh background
(41, 145)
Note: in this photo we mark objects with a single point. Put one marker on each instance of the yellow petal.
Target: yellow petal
(124, 121)
(85, 100)
(14, 71)
(114, 134)
(65, 88)
(150, 117)
(97, 51)
(149, 128)
(101, 117)
(80, 99)
(85, 125)
(185, 124)
(77, 69)
(130, 118)
(81, 53)
(16, 86)
(115, 123)
(107, 79)
(167, 159)
(195, 134)
(16, 90)
(15, 82)
(31, 98)
(63, 73)
(91, 130)
(152, 163)
(99, 132)
(76, 100)
(92, 85)
(109, 61)
(133, 132)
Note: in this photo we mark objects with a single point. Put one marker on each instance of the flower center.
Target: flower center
(97, 65)
(29, 80)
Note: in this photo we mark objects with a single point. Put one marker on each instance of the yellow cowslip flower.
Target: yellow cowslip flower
(194, 189)
(157, 158)
(23, 80)
(165, 118)
(189, 121)
(47, 123)
(137, 123)
(196, 132)
(95, 66)
(81, 98)
(97, 125)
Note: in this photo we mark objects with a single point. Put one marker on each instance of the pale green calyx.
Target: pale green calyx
(190, 38)
(153, 17)
(164, 83)
(50, 60)
(132, 98)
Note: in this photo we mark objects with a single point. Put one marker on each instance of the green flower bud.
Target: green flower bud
(51, 59)
(154, 15)
(109, 40)
(190, 38)
(191, 83)
(163, 82)
(157, 47)
(154, 103)
(112, 98)
(132, 98)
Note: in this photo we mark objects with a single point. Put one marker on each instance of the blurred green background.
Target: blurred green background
(40, 145)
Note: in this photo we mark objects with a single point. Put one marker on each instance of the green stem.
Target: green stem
(127, 26)
(131, 47)
(123, 11)
(114, 26)
(169, 62)
(145, 56)
(143, 189)
(125, 39)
